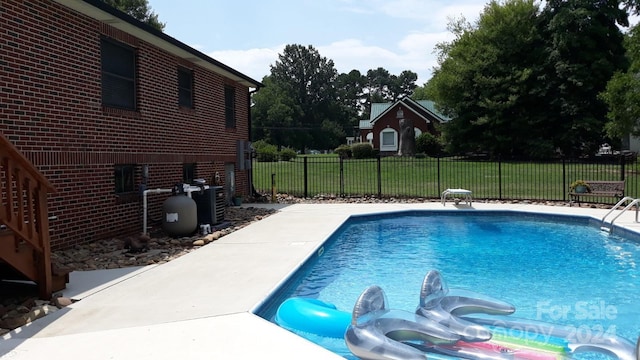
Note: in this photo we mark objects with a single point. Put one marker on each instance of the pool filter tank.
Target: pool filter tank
(180, 215)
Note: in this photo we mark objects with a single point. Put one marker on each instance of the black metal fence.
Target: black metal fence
(309, 176)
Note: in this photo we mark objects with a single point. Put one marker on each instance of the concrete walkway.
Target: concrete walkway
(199, 305)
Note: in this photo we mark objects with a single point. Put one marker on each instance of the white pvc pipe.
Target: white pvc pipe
(144, 206)
(192, 188)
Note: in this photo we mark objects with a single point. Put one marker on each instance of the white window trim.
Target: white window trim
(392, 147)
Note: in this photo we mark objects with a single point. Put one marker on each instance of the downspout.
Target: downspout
(251, 92)
(252, 189)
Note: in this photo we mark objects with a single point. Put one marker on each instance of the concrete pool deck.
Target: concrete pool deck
(199, 305)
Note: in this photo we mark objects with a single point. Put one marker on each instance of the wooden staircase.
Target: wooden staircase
(25, 251)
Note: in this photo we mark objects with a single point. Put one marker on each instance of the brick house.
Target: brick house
(104, 105)
(382, 129)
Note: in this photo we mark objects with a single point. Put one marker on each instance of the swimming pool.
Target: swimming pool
(560, 269)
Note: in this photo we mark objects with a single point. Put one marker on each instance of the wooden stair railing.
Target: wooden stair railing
(25, 243)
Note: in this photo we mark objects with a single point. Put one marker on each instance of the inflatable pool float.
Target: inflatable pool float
(509, 337)
(564, 341)
(437, 304)
(313, 316)
(377, 332)
(460, 324)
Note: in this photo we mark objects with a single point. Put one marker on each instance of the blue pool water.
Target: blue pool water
(558, 269)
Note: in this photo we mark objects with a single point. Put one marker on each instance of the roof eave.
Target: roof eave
(98, 10)
(412, 105)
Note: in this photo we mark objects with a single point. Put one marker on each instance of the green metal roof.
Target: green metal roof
(378, 108)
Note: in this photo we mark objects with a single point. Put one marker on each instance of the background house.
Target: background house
(104, 106)
(382, 129)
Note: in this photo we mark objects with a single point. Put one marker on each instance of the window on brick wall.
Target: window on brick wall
(185, 87)
(388, 140)
(188, 173)
(124, 178)
(118, 74)
(230, 106)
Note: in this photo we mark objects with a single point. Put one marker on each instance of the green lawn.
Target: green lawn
(427, 177)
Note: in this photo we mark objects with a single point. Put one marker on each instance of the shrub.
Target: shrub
(265, 152)
(259, 144)
(428, 144)
(362, 151)
(287, 154)
(343, 151)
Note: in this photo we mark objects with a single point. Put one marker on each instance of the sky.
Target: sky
(248, 35)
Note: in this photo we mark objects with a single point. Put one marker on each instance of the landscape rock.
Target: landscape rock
(198, 242)
(61, 301)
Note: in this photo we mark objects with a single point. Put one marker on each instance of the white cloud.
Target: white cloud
(352, 54)
(415, 53)
(254, 63)
(408, 46)
(418, 52)
(428, 11)
(412, 51)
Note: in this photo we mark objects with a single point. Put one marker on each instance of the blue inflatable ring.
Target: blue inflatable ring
(313, 316)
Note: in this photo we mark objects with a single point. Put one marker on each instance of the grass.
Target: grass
(428, 177)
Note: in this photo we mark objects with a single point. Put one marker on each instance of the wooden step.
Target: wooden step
(18, 255)
(20, 265)
(59, 280)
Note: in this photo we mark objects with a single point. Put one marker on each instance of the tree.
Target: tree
(622, 94)
(351, 96)
(378, 86)
(632, 6)
(138, 9)
(402, 85)
(407, 145)
(306, 104)
(274, 114)
(524, 82)
(299, 107)
(420, 93)
(486, 82)
(382, 86)
(584, 50)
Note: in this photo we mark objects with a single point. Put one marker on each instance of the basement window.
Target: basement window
(188, 173)
(124, 178)
(118, 74)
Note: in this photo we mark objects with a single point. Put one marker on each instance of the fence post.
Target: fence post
(341, 177)
(306, 178)
(273, 188)
(499, 177)
(439, 185)
(379, 177)
(622, 167)
(564, 179)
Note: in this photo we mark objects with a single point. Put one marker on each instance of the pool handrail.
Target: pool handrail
(634, 201)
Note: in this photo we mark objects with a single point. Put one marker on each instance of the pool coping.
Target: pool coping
(200, 306)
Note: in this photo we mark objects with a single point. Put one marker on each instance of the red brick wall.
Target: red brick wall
(50, 109)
